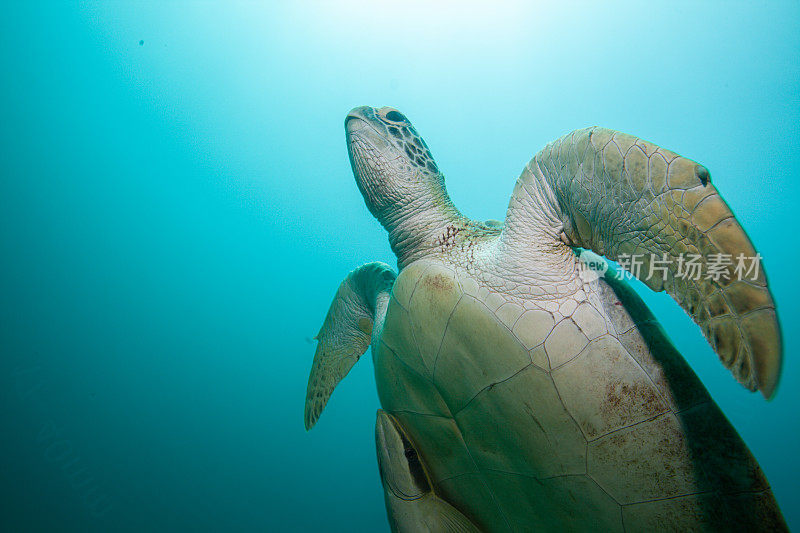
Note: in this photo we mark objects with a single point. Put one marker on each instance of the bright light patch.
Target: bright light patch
(419, 27)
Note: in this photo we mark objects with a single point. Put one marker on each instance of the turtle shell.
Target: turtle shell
(585, 419)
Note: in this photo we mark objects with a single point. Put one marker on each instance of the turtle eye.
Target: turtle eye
(395, 116)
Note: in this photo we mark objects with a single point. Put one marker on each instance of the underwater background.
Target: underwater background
(178, 210)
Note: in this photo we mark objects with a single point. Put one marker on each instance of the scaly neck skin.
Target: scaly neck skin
(532, 246)
(527, 252)
(544, 268)
(415, 227)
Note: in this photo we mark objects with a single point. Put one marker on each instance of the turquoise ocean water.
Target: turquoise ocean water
(178, 210)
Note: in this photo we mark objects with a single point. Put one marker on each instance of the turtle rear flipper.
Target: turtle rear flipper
(411, 503)
(354, 318)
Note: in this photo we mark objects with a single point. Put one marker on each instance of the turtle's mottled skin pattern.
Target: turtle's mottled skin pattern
(538, 398)
(604, 426)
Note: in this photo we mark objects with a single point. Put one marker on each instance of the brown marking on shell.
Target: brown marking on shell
(619, 393)
(438, 282)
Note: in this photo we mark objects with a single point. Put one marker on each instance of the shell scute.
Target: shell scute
(398, 336)
(532, 504)
(477, 350)
(440, 444)
(539, 437)
(406, 282)
(430, 308)
(589, 320)
(533, 327)
(605, 390)
(655, 457)
(564, 342)
(669, 372)
(401, 388)
(470, 491)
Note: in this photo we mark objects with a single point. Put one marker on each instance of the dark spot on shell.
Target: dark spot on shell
(394, 131)
(432, 167)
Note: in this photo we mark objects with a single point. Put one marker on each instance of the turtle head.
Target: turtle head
(400, 466)
(400, 182)
(391, 163)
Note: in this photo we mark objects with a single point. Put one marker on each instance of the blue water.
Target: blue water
(178, 209)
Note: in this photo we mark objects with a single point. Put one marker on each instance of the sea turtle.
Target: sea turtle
(525, 394)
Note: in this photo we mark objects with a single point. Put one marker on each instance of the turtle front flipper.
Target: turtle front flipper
(656, 212)
(411, 503)
(354, 318)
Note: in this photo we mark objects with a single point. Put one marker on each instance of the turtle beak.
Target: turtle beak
(361, 123)
(364, 112)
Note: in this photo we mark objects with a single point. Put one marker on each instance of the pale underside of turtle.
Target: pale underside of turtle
(520, 394)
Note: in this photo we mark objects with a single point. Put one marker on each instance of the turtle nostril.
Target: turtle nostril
(395, 116)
